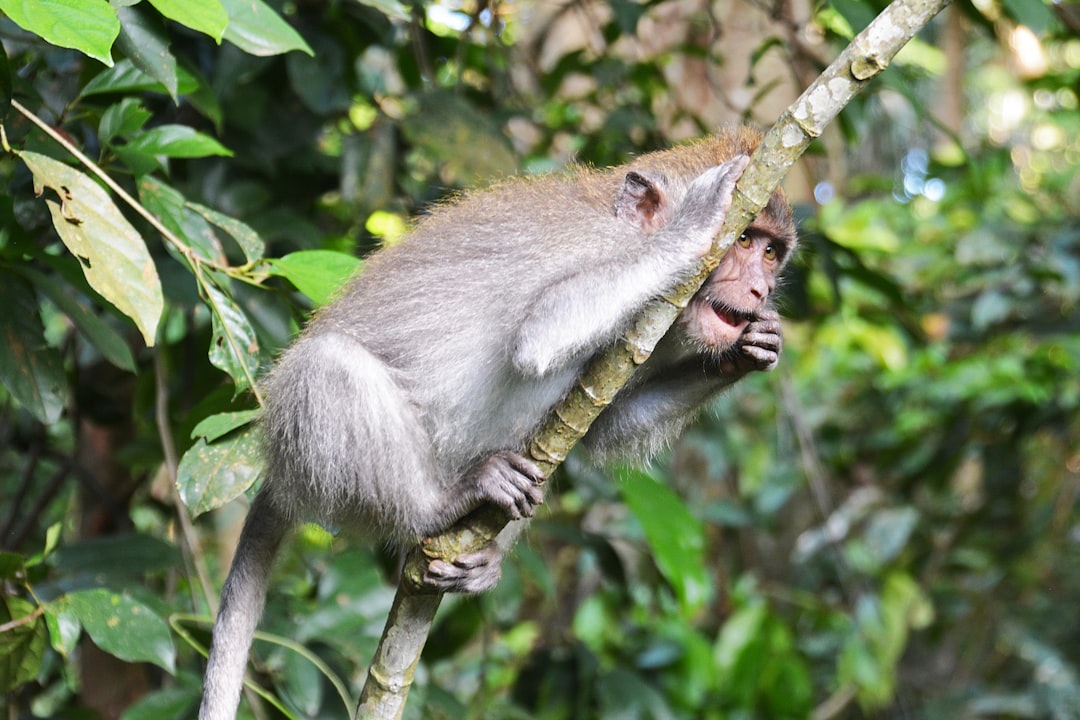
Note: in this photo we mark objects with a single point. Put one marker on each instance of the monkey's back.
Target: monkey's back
(442, 308)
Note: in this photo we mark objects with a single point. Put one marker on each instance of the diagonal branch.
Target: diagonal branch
(410, 619)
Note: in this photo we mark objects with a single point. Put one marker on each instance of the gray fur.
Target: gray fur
(407, 402)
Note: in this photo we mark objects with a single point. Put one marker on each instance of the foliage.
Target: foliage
(886, 525)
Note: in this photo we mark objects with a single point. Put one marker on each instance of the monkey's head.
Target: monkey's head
(742, 284)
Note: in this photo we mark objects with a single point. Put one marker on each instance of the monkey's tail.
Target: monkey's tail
(242, 601)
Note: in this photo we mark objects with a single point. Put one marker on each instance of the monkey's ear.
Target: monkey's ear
(643, 201)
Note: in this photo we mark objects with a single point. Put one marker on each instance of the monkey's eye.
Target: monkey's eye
(744, 240)
(770, 252)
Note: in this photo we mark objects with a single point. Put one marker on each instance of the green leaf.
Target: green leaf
(31, 371)
(205, 16)
(117, 556)
(319, 274)
(100, 334)
(246, 237)
(122, 119)
(211, 475)
(144, 42)
(740, 633)
(859, 227)
(676, 537)
(176, 141)
(11, 565)
(22, 648)
(113, 255)
(169, 704)
(233, 345)
(171, 208)
(1036, 15)
(122, 626)
(5, 84)
(124, 77)
(89, 26)
(64, 630)
(216, 426)
(256, 29)
(390, 8)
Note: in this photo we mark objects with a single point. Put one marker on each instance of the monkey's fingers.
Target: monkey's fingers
(468, 573)
(762, 339)
(763, 358)
(513, 483)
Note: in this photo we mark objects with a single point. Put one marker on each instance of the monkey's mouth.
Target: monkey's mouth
(737, 319)
(714, 324)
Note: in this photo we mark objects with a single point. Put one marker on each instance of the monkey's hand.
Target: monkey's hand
(514, 484)
(757, 349)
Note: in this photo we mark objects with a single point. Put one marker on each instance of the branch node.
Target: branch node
(867, 66)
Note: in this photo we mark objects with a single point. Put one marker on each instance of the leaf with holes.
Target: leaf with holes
(113, 255)
(233, 346)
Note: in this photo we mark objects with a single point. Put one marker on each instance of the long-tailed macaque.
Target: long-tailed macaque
(408, 401)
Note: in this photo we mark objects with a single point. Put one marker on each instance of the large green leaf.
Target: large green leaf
(124, 77)
(211, 475)
(22, 648)
(256, 29)
(143, 40)
(206, 16)
(676, 537)
(30, 370)
(176, 141)
(319, 274)
(89, 26)
(113, 255)
(122, 626)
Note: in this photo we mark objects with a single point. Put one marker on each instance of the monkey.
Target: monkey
(408, 401)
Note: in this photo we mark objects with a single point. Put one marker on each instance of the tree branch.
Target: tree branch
(391, 673)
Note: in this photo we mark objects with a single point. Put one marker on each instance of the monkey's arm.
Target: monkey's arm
(585, 311)
(645, 418)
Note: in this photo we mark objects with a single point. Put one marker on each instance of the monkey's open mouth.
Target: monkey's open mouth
(731, 316)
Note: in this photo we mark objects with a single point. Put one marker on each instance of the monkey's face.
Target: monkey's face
(736, 291)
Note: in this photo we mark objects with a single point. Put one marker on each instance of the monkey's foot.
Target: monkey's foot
(510, 481)
(468, 573)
